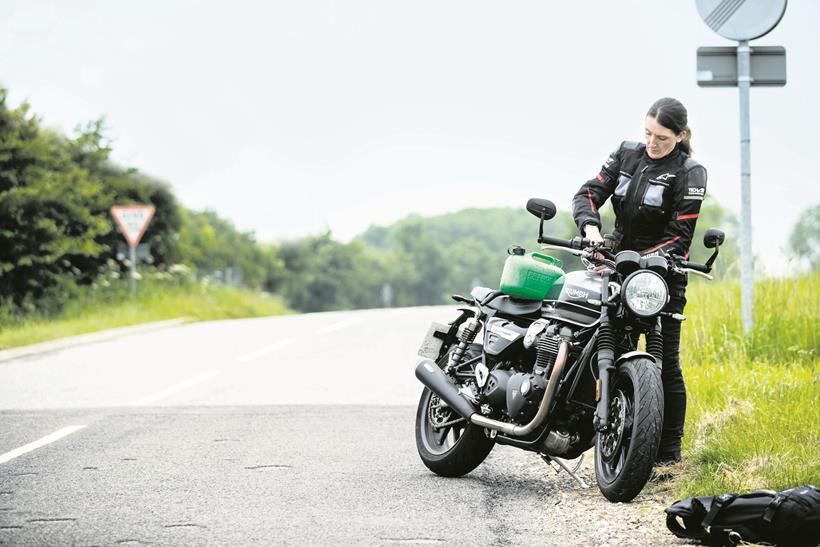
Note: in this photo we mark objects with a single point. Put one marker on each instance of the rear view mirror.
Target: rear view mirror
(542, 208)
(713, 238)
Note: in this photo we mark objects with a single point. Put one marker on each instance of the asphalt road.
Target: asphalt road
(285, 430)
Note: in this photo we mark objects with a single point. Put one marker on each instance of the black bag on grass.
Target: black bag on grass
(787, 518)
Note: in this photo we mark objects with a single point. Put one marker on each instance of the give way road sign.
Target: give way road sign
(132, 220)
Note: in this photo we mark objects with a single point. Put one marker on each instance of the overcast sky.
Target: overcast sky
(294, 117)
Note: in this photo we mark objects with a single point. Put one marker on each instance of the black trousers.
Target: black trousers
(674, 388)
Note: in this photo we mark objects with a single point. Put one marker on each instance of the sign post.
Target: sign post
(743, 20)
(133, 220)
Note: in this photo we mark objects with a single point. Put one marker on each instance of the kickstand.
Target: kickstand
(562, 465)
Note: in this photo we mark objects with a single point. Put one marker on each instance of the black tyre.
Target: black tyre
(447, 444)
(625, 454)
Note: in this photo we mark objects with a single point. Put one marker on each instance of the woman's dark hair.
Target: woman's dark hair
(671, 114)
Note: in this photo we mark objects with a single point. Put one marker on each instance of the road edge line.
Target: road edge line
(48, 439)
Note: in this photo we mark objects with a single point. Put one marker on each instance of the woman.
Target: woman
(656, 191)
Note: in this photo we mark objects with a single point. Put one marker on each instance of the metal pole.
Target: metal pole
(133, 270)
(746, 264)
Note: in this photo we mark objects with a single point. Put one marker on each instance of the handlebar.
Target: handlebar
(590, 247)
(578, 244)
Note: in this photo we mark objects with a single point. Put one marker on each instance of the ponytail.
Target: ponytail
(686, 143)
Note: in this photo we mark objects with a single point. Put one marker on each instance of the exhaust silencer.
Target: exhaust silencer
(436, 381)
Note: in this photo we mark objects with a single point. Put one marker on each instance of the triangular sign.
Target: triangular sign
(132, 220)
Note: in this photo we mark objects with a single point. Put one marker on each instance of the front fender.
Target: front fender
(631, 355)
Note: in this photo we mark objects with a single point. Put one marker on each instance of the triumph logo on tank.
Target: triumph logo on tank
(577, 293)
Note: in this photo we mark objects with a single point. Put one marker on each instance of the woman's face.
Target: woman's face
(660, 140)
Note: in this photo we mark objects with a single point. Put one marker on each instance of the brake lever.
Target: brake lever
(576, 252)
(689, 270)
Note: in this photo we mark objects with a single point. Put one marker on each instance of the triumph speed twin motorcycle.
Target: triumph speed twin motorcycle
(558, 370)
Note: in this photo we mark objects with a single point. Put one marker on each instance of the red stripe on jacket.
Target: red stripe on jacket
(664, 244)
(684, 217)
(589, 197)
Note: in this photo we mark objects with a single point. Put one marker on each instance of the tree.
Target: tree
(804, 240)
(323, 274)
(49, 227)
(207, 241)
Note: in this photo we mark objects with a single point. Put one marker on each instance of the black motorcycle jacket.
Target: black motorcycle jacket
(656, 202)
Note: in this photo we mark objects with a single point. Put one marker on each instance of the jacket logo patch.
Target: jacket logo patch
(665, 176)
(609, 161)
(697, 191)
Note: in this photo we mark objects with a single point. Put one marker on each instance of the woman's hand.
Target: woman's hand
(592, 233)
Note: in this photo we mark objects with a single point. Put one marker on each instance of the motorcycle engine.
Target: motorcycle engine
(524, 394)
(519, 393)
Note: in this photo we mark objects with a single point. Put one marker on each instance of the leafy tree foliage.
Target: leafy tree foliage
(48, 226)
(804, 240)
(207, 241)
(322, 274)
(56, 193)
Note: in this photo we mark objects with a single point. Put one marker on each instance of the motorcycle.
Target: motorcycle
(558, 371)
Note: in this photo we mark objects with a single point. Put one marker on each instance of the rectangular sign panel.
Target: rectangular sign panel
(717, 66)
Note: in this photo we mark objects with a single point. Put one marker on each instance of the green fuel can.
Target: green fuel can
(532, 276)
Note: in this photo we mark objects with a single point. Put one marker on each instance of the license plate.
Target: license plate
(431, 346)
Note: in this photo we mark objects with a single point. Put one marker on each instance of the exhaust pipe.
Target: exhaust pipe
(521, 430)
(439, 383)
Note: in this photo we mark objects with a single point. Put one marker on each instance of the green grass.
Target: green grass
(92, 310)
(753, 416)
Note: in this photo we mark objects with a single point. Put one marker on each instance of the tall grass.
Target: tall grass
(101, 307)
(785, 322)
(753, 417)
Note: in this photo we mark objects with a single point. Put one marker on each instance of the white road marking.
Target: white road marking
(176, 388)
(340, 325)
(265, 351)
(57, 435)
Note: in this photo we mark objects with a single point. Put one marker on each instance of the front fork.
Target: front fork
(606, 360)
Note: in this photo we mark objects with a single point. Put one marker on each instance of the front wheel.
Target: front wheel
(447, 444)
(625, 453)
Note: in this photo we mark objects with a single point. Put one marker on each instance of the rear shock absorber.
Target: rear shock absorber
(471, 327)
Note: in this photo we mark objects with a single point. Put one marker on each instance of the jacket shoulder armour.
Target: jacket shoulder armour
(691, 164)
(631, 145)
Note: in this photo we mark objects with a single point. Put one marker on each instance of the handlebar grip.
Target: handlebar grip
(555, 241)
(694, 266)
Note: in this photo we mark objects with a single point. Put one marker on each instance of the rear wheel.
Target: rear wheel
(625, 453)
(447, 444)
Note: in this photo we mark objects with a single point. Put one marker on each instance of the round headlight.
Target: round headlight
(645, 293)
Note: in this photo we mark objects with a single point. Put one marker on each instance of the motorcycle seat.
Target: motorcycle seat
(506, 304)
